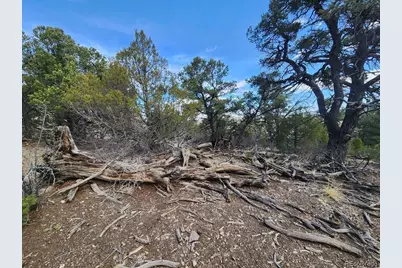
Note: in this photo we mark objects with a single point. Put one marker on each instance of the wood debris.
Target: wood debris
(178, 236)
(99, 192)
(75, 229)
(145, 241)
(316, 238)
(160, 263)
(111, 224)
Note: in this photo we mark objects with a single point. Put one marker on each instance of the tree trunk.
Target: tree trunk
(337, 147)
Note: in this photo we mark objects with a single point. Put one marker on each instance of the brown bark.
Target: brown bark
(68, 162)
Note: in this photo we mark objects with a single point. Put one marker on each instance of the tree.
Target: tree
(204, 81)
(90, 61)
(325, 44)
(256, 104)
(150, 80)
(116, 77)
(50, 61)
(369, 129)
(303, 131)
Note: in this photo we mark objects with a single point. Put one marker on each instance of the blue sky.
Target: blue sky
(181, 29)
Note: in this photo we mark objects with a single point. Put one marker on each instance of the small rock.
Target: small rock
(193, 236)
(194, 263)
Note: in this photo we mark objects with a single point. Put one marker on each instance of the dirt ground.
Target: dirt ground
(229, 236)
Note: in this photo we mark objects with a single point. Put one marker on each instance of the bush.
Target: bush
(28, 203)
(356, 146)
(371, 152)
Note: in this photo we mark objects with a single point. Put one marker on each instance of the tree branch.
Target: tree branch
(372, 82)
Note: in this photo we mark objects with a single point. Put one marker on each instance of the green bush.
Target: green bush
(28, 203)
(371, 152)
(356, 146)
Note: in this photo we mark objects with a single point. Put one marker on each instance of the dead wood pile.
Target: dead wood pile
(184, 163)
(203, 167)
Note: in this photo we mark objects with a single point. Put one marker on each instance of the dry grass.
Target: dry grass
(333, 192)
(28, 156)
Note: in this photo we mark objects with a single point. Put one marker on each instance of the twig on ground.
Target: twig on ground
(124, 208)
(276, 262)
(183, 200)
(99, 192)
(71, 194)
(178, 236)
(75, 229)
(276, 239)
(367, 218)
(113, 222)
(142, 240)
(197, 215)
(133, 252)
(160, 263)
(107, 257)
(241, 195)
(167, 212)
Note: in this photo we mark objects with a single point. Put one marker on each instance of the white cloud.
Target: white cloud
(200, 117)
(177, 62)
(211, 49)
(298, 54)
(109, 25)
(302, 88)
(180, 58)
(301, 20)
(241, 84)
(107, 52)
(318, 25)
(175, 68)
(112, 25)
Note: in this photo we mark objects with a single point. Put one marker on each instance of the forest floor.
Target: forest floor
(224, 234)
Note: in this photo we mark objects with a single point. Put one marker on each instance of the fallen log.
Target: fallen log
(315, 238)
(235, 169)
(204, 145)
(81, 182)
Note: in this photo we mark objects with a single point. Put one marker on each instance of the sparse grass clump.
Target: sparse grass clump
(333, 192)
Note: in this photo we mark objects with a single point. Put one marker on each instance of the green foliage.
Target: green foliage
(369, 128)
(371, 152)
(149, 76)
(50, 62)
(90, 61)
(116, 77)
(356, 145)
(204, 81)
(28, 203)
(300, 131)
(310, 43)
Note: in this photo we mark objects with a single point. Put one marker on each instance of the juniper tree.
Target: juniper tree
(204, 81)
(325, 44)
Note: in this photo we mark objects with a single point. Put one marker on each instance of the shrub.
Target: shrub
(28, 203)
(371, 152)
(356, 146)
